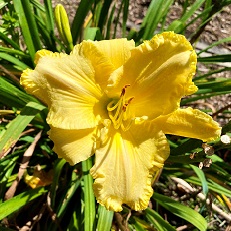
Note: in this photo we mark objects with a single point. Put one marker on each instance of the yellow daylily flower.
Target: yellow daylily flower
(118, 101)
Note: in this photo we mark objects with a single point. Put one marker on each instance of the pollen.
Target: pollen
(118, 111)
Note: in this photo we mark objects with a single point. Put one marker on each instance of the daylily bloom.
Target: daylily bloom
(118, 101)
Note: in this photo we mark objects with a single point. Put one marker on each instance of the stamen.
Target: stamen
(129, 101)
(124, 89)
(110, 107)
(126, 104)
(120, 108)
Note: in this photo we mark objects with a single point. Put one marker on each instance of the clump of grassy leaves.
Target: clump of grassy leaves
(41, 192)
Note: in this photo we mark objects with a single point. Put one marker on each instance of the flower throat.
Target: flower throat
(118, 111)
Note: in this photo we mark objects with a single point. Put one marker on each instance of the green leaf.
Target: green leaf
(49, 16)
(20, 65)
(62, 202)
(186, 147)
(13, 51)
(2, 4)
(156, 11)
(96, 14)
(104, 13)
(12, 96)
(158, 221)
(68, 195)
(214, 86)
(182, 211)
(58, 166)
(47, 36)
(110, 22)
(179, 25)
(105, 219)
(90, 33)
(9, 41)
(202, 178)
(203, 96)
(210, 73)
(196, 5)
(16, 126)
(75, 223)
(215, 44)
(6, 169)
(17, 202)
(89, 198)
(28, 26)
(79, 18)
(215, 59)
(211, 184)
(138, 224)
(125, 17)
(117, 19)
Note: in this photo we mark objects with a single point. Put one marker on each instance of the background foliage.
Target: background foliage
(38, 191)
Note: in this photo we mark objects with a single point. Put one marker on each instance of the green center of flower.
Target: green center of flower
(118, 111)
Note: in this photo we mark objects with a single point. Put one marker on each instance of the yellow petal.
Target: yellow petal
(118, 51)
(67, 84)
(73, 145)
(159, 72)
(105, 56)
(189, 123)
(41, 53)
(28, 80)
(125, 165)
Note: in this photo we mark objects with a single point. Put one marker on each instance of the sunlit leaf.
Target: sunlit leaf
(182, 211)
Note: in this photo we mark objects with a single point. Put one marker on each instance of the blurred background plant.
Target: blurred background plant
(38, 191)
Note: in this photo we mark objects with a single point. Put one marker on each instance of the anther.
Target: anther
(124, 89)
(126, 104)
(119, 112)
(129, 101)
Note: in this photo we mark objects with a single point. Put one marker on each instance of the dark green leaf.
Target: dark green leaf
(79, 18)
(182, 211)
(17, 202)
(202, 178)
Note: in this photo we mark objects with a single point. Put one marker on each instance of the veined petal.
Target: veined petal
(41, 53)
(67, 84)
(189, 123)
(73, 145)
(124, 167)
(105, 56)
(117, 50)
(159, 72)
(29, 78)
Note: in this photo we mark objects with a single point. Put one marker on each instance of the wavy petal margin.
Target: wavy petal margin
(190, 123)
(66, 83)
(124, 167)
(73, 145)
(159, 73)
